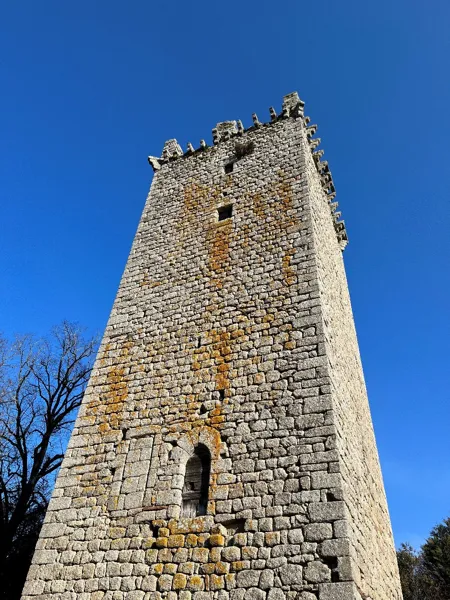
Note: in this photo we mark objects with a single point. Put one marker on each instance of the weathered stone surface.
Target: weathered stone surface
(291, 574)
(317, 572)
(231, 344)
(254, 594)
(338, 591)
(248, 578)
(316, 532)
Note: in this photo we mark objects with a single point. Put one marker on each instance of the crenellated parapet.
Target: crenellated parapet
(292, 108)
(326, 180)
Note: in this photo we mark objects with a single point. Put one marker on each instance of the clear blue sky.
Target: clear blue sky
(89, 89)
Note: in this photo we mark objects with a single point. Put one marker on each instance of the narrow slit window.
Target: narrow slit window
(196, 483)
(225, 212)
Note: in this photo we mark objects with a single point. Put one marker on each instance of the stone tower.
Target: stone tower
(224, 449)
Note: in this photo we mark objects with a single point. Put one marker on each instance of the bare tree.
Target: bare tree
(41, 385)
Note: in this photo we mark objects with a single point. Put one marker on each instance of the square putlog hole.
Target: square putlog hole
(225, 212)
(229, 167)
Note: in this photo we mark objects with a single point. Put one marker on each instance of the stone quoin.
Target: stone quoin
(224, 449)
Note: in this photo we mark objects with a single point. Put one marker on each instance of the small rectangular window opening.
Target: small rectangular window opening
(225, 212)
(229, 167)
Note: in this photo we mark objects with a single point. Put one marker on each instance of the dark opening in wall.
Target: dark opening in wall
(196, 483)
(332, 563)
(225, 212)
(229, 167)
(222, 395)
(234, 526)
(243, 149)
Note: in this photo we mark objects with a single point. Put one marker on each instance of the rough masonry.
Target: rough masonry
(224, 449)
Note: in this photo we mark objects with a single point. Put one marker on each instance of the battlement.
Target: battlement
(292, 108)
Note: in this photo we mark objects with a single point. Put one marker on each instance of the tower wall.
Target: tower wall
(225, 335)
(372, 560)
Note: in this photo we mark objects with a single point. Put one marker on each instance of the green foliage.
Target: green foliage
(408, 565)
(436, 559)
(425, 575)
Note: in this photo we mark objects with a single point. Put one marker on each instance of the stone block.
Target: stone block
(291, 574)
(179, 581)
(165, 583)
(216, 582)
(216, 539)
(322, 480)
(295, 536)
(338, 591)
(266, 580)
(339, 547)
(247, 578)
(33, 588)
(327, 511)
(195, 583)
(317, 572)
(175, 541)
(276, 594)
(231, 554)
(200, 555)
(132, 595)
(149, 583)
(254, 593)
(316, 532)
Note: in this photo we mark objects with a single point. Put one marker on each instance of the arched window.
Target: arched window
(196, 483)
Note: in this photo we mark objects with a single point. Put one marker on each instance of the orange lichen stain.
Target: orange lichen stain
(216, 539)
(245, 235)
(288, 271)
(105, 355)
(222, 568)
(239, 565)
(194, 197)
(109, 407)
(222, 349)
(191, 540)
(147, 282)
(216, 412)
(220, 245)
(211, 362)
(201, 200)
(195, 582)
